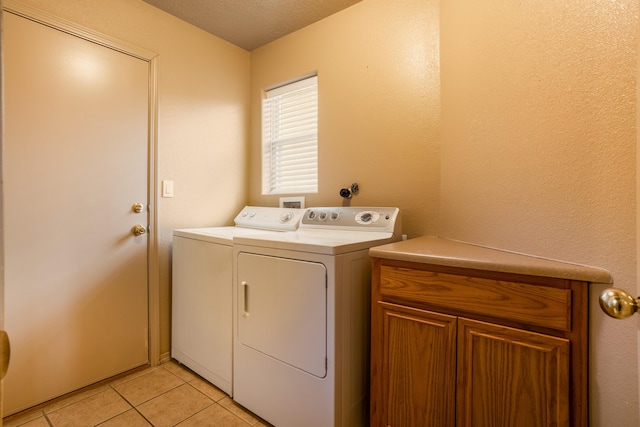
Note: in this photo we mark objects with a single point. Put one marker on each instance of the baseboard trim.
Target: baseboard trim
(165, 357)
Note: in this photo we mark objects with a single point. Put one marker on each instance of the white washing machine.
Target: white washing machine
(201, 318)
(301, 343)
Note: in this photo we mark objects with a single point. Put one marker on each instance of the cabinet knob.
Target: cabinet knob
(618, 304)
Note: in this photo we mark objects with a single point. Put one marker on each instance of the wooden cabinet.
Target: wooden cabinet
(511, 377)
(418, 367)
(463, 347)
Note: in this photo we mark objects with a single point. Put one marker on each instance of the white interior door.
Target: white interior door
(76, 161)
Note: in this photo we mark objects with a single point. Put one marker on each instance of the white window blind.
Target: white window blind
(290, 138)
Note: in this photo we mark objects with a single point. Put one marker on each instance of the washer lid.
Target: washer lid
(252, 220)
(220, 235)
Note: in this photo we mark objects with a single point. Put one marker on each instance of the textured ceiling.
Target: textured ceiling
(251, 23)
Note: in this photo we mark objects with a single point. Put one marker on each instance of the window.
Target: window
(290, 138)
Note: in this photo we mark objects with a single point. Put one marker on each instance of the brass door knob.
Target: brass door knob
(138, 230)
(618, 304)
(5, 353)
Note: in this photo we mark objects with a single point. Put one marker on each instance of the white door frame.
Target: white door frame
(2, 350)
(151, 58)
(637, 236)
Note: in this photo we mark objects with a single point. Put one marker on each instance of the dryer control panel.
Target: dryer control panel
(352, 218)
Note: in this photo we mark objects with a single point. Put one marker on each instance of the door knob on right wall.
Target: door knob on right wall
(618, 304)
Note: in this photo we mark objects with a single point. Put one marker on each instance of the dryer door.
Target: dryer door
(282, 310)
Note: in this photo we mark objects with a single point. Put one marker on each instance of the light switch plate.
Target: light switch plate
(167, 188)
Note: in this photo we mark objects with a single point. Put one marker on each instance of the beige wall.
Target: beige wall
(379, 108)
(202, 119)
(534, 149)
(539, 152)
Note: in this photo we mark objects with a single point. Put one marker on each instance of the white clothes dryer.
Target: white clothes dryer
(301, 343)
(202, 280)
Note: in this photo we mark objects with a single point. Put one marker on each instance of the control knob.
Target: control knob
(286, 217)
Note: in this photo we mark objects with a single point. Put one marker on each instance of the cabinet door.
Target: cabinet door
(418, 368)
(510, 377)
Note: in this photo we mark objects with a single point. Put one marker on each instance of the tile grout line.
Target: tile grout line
(135, 408)
(203, 409)
(125, 411)
(214, 402)
(46, 418)
(142, 415)
(132, 379)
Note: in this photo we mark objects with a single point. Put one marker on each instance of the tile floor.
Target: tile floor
(166, 395)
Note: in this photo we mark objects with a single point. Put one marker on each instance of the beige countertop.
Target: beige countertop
(451, 253)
